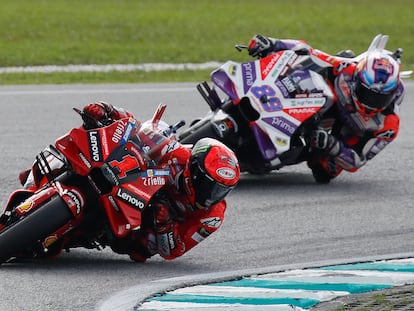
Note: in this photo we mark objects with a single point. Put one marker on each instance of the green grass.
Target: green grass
(384, 301)
(61, 32)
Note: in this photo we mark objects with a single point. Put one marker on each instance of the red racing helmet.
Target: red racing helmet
(214, 171)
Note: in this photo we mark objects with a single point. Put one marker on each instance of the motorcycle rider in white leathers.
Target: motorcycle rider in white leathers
(365, 116)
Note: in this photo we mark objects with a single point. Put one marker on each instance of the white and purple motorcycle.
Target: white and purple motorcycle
(269, 108)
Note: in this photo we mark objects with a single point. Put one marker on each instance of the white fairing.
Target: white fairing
(284, 97)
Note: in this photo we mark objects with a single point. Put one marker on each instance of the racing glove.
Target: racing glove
(321, 139)
(261, 46)
(97, 114)
(100, 114)
(169, 241)
(162, 218)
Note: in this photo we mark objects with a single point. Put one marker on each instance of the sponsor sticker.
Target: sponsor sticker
(267, 64)
(154, 181)
(289, 84)
(119, 132)
(49, 241)
(25, 207)
(75, 200)
(282, 124)
(212, 222)
(155, 172)
(249, 75)
(282, 89)
(130, 198)
(197, 237)
(95, 146)
(226, 173)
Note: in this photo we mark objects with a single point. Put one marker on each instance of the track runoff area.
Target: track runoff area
(288, 288)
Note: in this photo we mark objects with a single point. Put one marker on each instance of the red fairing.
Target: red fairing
(267, 63)
(36, 200)
(131, 199)
(92, 188)
(72, 196)
(134, 183)
(87, 148)
(122, 151)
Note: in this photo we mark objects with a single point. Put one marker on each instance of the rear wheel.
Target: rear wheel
(26, 232)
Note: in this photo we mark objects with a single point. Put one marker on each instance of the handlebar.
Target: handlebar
(241, 47)
(87, 118)
(172, 129)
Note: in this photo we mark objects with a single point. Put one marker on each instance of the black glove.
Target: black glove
(97, 114)
(321, 139)
(260, 46)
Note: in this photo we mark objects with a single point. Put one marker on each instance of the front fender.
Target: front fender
(16, 198)
(25, 201)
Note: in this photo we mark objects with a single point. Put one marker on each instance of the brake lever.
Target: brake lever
(241, 47)
(86, 117)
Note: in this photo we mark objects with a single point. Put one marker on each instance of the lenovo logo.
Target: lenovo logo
(95, 146)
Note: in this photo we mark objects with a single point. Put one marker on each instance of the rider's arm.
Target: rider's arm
(181, 236)
(262, 46)
(351, 158)
(290, 44)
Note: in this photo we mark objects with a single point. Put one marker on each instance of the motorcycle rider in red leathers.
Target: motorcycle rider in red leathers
(367, 97)
(190, 209)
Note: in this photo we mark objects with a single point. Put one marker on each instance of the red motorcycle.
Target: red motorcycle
(89, 188)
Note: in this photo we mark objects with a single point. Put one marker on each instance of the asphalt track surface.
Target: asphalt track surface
(280, 219)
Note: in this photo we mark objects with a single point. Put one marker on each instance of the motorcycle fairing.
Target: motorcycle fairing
(75, 202)
(122, 204)
(87, 148)
(226, 79)
(126, 152)
(285, 97)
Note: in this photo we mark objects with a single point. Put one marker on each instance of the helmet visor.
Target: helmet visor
(371, 99)
(207, 190)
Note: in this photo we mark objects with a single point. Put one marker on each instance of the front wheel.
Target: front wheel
(321, 176)
(26, 232)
